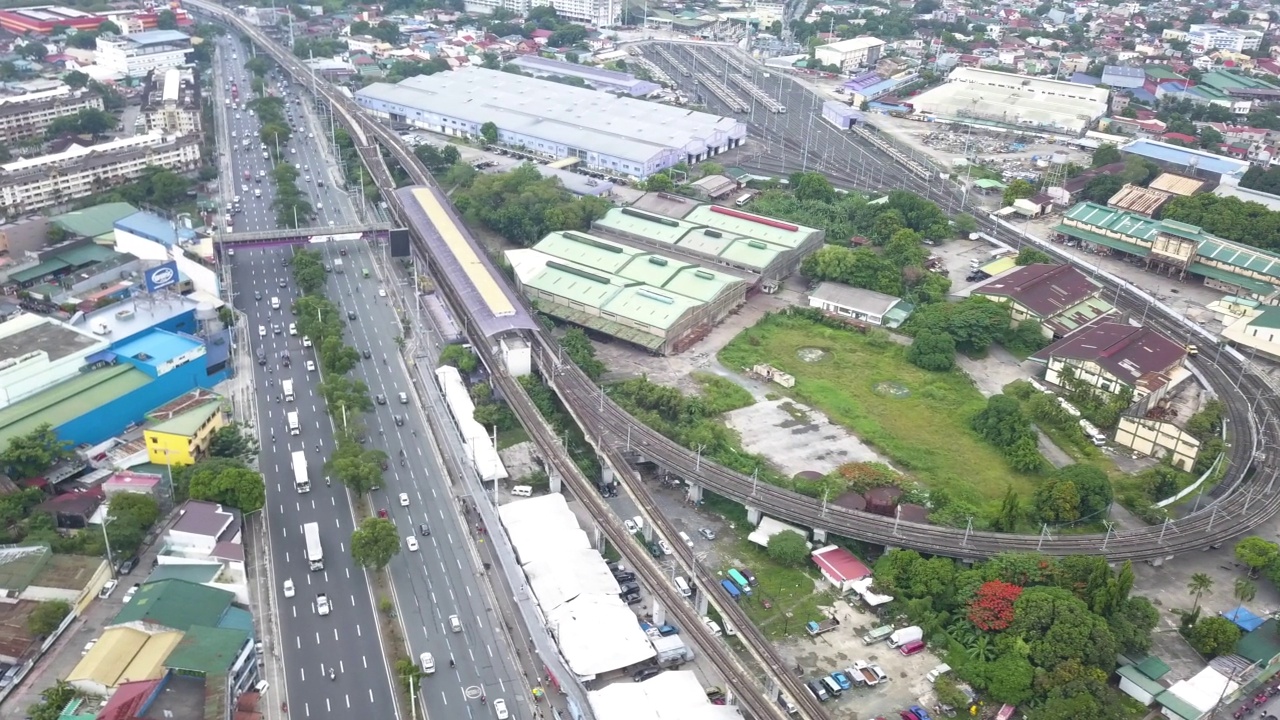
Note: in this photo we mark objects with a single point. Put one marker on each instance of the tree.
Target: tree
(1002, 423)
(1092, 486)
(166, 20)
(32, 50)
(461, 357)
(1199, 585)
(811, 186)
(75, 79)
(374, 543)
(52, 702)
(47, 616)
(1101, 188)
(1057, 627)
(1010, 514)
(1213, 636)
(27, 456)
(231, 441)
(108, 27)
(1245, 590)
(788, 548)
(991, 609)
(489, 131)
(1133, 623)
(935, 351)
(134, 509)
(1257, 553)
(1018, 189)
(1106, 154)
(1033, 256)
(1057, 500)
(229, 483)
(964, 224)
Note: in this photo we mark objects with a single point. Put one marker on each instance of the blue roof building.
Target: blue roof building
(1187, 161)
(155, 228)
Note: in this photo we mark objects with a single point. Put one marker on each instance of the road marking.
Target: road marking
(353, 601)
(317, 637)
(364, 661)
(298, 640)
(335, 633)
(348, 699)
(358, 633)
(303, 673)
(306, 708)
(370, 696)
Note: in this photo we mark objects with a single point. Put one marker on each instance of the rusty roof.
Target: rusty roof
(1140, 200)
(1045, 290)
(1138, 356)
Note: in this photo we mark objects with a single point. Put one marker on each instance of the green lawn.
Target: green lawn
(925, 433)
(788, 590)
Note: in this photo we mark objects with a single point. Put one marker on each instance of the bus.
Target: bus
(746, 198)
(287, 386)
(301, 482)
(730, 588)
(294, 427)
(740, 581)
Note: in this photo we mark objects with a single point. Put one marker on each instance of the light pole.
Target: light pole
(111, 563)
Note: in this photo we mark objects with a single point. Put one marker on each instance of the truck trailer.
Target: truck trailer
(315, 553)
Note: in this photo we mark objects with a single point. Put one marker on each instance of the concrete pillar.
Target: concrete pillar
(754, 515)
(701, 603)
(695, 494)
(819, 536)
(554, 481)
(659, 613)
(606, 471)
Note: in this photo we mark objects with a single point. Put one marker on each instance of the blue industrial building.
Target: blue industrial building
(598, 78)
(617, 136)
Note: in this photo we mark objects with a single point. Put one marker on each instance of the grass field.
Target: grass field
(859, 382)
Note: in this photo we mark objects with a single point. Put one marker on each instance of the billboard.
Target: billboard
(161, 276)
(399, 242)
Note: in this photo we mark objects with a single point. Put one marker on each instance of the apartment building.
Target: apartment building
(170, 105)
(138, 54)
(850, 54)
(1207, 38)
(40, 182)
(25, 116)
(601, 13)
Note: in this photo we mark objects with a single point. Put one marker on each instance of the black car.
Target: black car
(284, 283)
(257, 295)
(423, 530)
(629, 588)
(380, 399)
(646, 673)
(351, 314)
(632, 599)
(367, 354)
(399, 420)
(127, 566)
(624, 577)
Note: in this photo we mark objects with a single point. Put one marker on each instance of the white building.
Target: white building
(1015, 100)
(40, 182)
(850, 54)
(169, 105)
(23, 116)
(1207, 38)
(601, 13)
(861, 305)
(37, 359)
(138, 54)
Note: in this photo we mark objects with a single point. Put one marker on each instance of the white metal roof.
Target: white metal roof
(595, 630)
(475, 437)
(672, 695)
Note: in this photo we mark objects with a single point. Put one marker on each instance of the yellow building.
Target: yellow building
(179, 433)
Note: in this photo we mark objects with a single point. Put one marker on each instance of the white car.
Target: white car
(88, 646)
(262, 331)
(293, 329)
(322, 604)
(382, 292)
(311, 366)
(666, 547)
(289, 590)
(711, 625)
(128, 594)
(404, 499)
(500, 709)
(412, 543)
(630, 526)
(306, 341)
(107, 589)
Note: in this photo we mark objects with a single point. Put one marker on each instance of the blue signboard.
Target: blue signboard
(161, 276)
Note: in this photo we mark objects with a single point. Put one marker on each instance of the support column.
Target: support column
(694, 495)
(554, 482)
(754, 515)
(819, 536)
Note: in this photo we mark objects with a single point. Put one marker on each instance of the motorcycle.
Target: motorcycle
(332, 675)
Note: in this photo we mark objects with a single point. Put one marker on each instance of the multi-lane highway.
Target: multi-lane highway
(320, 178)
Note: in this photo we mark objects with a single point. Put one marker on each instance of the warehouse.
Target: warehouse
(618, 136)
(1017, 101)
(656, 302)
(595, 77)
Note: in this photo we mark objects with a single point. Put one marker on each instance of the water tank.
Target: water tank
(1060, 158)
(205, 312)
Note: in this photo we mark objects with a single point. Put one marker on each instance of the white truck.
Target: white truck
(292, 420)
(315, 553)
(905, 635)
(287, 386)
(301, 482)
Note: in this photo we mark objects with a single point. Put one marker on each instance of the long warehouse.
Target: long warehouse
(616, 135)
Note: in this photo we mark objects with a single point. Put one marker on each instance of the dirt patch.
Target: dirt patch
(797, 438)
(812, 355)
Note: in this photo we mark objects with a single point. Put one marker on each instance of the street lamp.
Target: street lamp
(105, 522)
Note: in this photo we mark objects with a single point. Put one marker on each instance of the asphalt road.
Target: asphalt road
(305, 150)
(441, 578)
(347, 640)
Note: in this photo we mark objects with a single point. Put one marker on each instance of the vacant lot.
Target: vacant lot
(918, 419)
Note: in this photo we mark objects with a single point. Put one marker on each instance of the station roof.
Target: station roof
(776, 232)
(95, 221)
(1130, 353)
(672, 694)
(1044, 289)
(28, 333)
(492, 304)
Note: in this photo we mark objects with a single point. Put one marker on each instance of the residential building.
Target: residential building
(204, 545)
(1115, 358)
(170, 103)
(35, 183)
(1186, 161)
(1177, 249)
(179, 433)
(860, 305)
(840, 567)
(851, 54)
(26, 116)
(600, 13)
(134, 482)
(619, 136)
(136, 55)
(1207, 38)
(1060, 298)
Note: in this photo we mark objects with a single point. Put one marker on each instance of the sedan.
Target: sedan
(666, 547)
(311, 366)
(631, 527)
(646, 673)
(412, 543)
(289, 590)
(88, 646)
(382, 292)
(257, 295)
(366, 354)
(707, 533)
(920, 712)
(423, 530)
(404, 499)
(382, 513)
(841, 680)
(380, 399)
(128, 595)
(306, 341)
(500, 709)
(262, 331)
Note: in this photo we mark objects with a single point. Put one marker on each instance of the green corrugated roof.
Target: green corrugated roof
(1104, 240)
(237, 619)
(208, 650)
(700, 283)
(85, 254)
(186, 424)
(1270, 317)
(69, 399)
(1226, 276)
(632, 335)
(96, 220)
(47, 267)
(1139, 678)
(1227, 80)
(1179, 707)
(176, 604)
(1160, 72)
(1153, 667)
(989, 184)
(199, 574)
(1261, 645)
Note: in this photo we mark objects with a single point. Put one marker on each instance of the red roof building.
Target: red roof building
(1114, 356)
(43, 20)
(1061, 298)
(840, 567)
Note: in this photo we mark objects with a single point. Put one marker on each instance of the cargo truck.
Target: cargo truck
(301, 482)
(292, 420)
(822, 626)
(315, 553)
(337, 265)
(905, 635)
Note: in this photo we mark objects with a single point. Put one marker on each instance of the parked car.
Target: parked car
(707, 533)
(127, 566)
(107, 589)
(128, 594)
(646, 673)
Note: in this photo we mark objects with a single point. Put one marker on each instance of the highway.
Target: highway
(348, 639)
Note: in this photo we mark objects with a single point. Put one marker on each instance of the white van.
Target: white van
(685, 537)
(683, 586)
(522, 490)
(275, 303)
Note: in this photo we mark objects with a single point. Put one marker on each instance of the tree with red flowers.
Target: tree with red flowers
(992, 607)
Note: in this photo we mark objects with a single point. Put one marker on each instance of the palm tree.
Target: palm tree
(1245, 590)
(1200, 584)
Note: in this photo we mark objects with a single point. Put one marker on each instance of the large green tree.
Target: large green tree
(228, 482)
(29, 455)
(374, 543)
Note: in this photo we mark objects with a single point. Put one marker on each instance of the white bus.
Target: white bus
(301, 482)
(287, 386)
(294, 428)
(746, 198)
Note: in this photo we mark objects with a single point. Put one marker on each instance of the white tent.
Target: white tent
(475, 438)
(672, 695)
